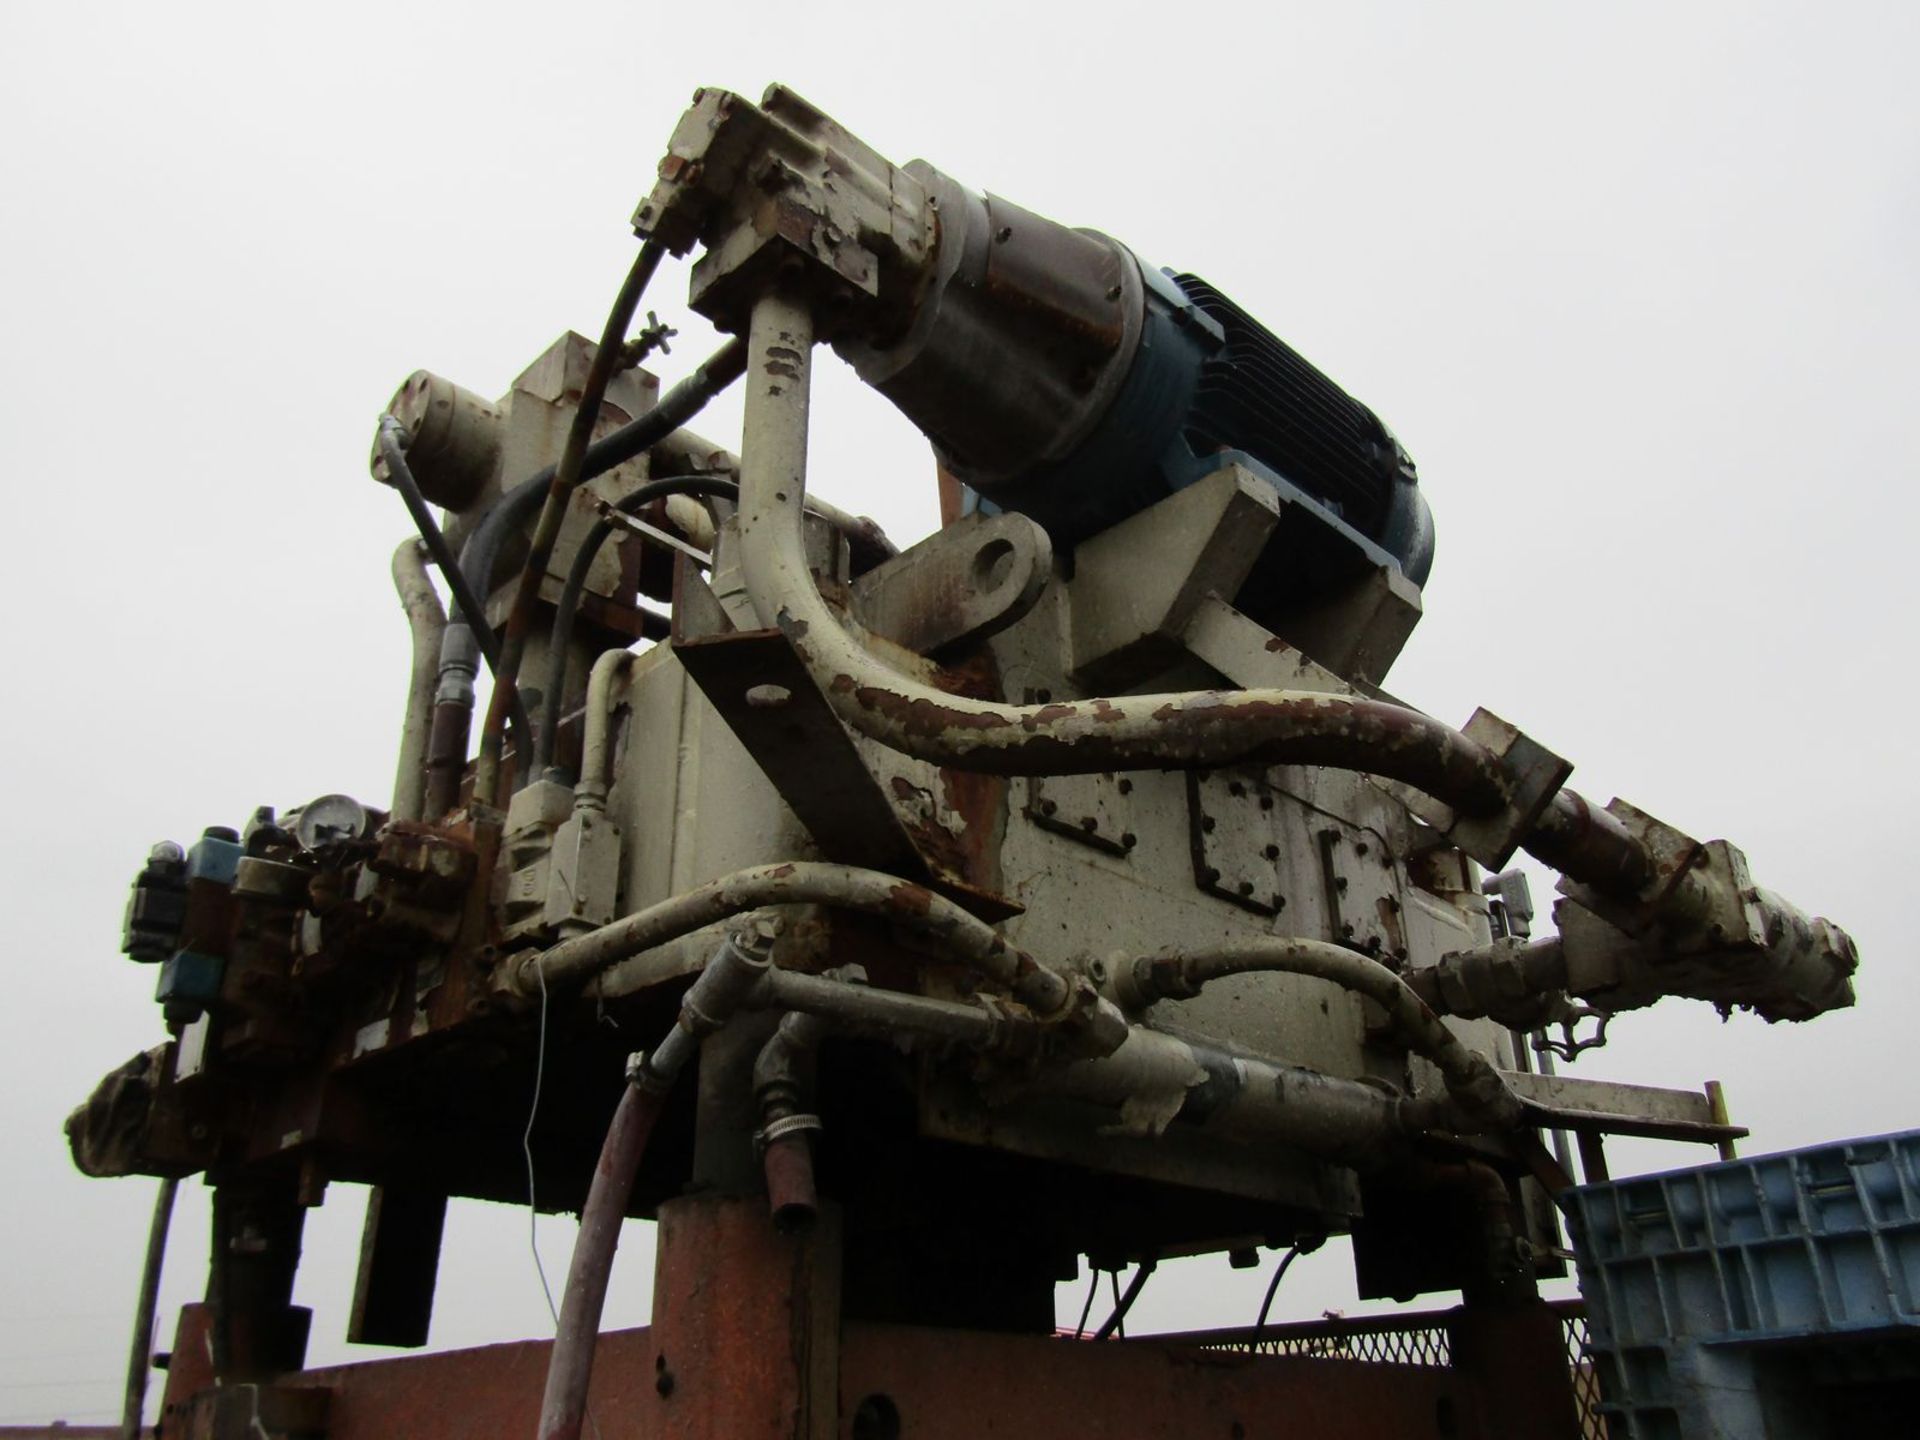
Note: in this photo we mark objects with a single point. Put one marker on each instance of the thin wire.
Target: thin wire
(526, 1147)
(533, 1210)
(1093, 1289)
(1273, 1288)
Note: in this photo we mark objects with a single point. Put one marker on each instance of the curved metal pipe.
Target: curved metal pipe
(869, 543)
(567, 609)
(427, 622)
(1126, 732)
(960, 936)
(392, 440)
(596, 735)
(1470, 1078)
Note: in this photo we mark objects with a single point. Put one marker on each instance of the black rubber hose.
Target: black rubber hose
(1273, 1288)
(481, 553)
(393, 451)
(546, 530)
(568, 608)
(1134, 1287)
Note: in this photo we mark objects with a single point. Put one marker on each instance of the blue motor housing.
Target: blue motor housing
(1209, 385)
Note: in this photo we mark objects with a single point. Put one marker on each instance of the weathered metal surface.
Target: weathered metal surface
(758, 686)
(366, 999)
(763, 185)
(746, 1324)
(1136, 586)
(1238, 846)
(1092, 809)
(962, 583)
(1533, 776)
(948, 1385)
(1616, 1108)
(1375, 1379)
(1515, 1355)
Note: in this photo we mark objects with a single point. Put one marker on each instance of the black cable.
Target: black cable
(1125, 1302)
(480, 555)
(1273, 1288)
(1093, 1289)
(393, 451)
(567, 609)
(546, 530)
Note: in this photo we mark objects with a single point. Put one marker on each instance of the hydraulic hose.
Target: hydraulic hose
(958, 935)
(1118, 1318)
(1127, 732)
(1470, 1078)
(724, 984)
(567, 609)
(566, 477)
(392, 441)
(783, 1079)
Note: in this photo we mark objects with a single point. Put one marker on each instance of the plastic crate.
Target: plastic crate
(1704, 1286)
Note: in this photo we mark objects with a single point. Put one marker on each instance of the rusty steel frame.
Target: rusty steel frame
(748, 1342)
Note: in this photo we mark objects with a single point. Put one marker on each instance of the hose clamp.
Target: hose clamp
(779, 1129)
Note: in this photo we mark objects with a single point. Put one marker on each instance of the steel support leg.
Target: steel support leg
(746, 1323)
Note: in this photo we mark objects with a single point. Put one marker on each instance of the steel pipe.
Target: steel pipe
(1154, 1079)
(893, 1015)
(1127, 732)
(783, 1076)
(140, 1353)
(427, 622)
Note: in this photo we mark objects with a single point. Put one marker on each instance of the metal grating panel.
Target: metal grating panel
(1420, 1339)
(1586, 1376)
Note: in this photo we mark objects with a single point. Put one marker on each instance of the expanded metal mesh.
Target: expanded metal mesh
(1417, 1344)
(1419, 1339)
(1586, 1376)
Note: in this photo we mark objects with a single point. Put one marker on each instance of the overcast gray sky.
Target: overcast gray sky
(1635, 284)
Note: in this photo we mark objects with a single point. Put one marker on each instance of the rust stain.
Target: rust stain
(910, 899)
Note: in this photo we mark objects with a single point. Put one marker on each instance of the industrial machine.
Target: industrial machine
(899, 927)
